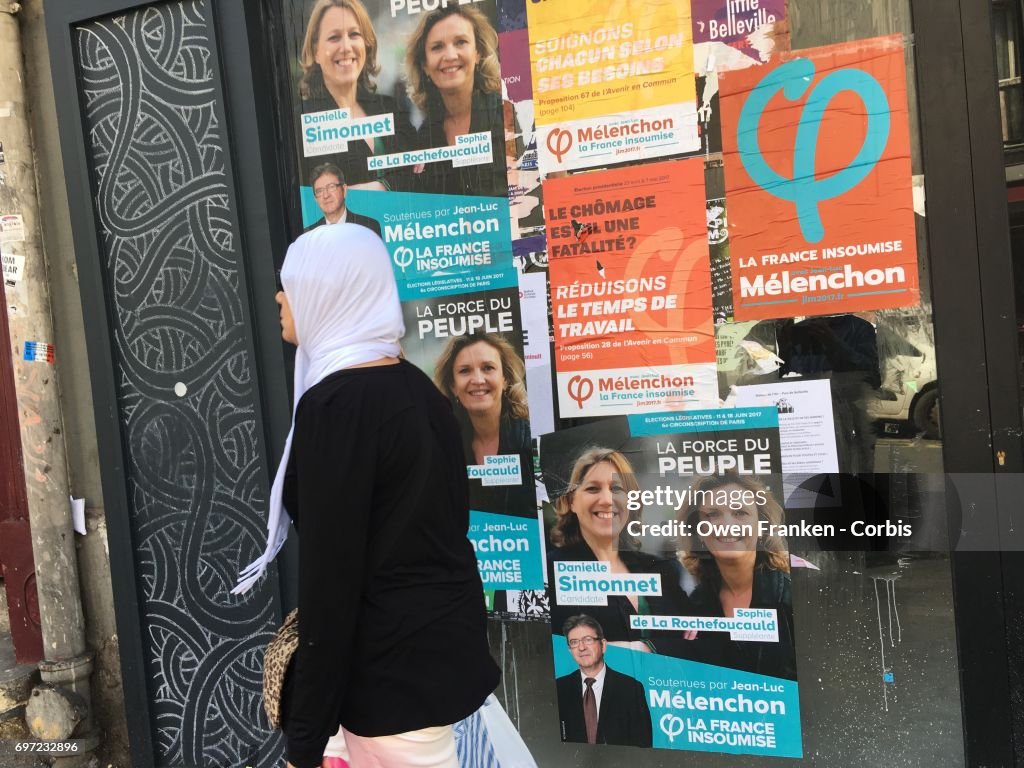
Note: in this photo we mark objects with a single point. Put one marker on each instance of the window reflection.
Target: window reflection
(1006, 23)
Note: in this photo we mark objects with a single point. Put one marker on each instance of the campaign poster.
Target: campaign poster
(818, 143)
(654, 513)
(735, 34)
(721, 266)
(391, 98)
(612, 82)
(460, 300)
(531, 254)
(631, 290)
(524, 189)
(728, 35)
(402, 125)
(511, 15)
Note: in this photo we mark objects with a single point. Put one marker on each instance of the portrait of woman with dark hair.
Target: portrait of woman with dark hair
(452, 71)
(739, 572)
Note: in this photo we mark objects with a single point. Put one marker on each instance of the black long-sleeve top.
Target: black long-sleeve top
(392, 624)
(486, 179)
(771, 589)
(353, 163)
(614, 617)
(519, 500)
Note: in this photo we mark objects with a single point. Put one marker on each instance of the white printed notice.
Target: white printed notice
(806, 431)
(13, 268)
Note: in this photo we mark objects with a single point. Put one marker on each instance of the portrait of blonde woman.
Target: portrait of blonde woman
(339, 58)
(453, 76)
(592, 525)
(484, 377)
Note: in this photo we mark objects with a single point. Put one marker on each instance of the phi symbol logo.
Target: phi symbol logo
(672, 726)
(805, 190)
(403, 257)
(559, 142)
(580, 389)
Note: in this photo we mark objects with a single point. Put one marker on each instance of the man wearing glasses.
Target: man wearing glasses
(598, 705)
(329, 188)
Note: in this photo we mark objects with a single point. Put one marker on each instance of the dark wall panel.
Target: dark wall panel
(186, 399)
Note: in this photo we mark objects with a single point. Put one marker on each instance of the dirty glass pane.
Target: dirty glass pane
(1006, 23)
(874, 632)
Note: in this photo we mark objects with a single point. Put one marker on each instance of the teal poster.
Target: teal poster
(669, 583)
(400, 121)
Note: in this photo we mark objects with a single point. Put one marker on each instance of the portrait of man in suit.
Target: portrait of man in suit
(596, 704)
(329, 188)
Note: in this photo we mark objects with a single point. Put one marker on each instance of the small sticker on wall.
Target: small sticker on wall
(16, 295)
(13, 268)
(38, 352)
(12, 228)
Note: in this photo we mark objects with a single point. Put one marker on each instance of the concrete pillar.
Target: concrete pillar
(66, 664)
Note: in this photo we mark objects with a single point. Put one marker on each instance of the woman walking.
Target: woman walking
(392, 626)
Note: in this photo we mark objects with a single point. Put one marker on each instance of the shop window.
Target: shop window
(803, 353)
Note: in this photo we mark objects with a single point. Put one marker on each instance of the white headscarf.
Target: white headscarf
(344, 302)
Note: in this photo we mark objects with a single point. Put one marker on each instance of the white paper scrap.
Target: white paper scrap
(78, 514)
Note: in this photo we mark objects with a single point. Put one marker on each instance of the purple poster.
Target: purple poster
(524, 191)
(734, 34)
(515, 64)
(733, 21)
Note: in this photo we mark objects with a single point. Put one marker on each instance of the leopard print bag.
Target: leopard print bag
(275, 665)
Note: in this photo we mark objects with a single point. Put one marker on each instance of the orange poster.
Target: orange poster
(818, 182)
(631, 290)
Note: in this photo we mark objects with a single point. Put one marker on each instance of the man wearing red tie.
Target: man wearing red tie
(598, 705)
